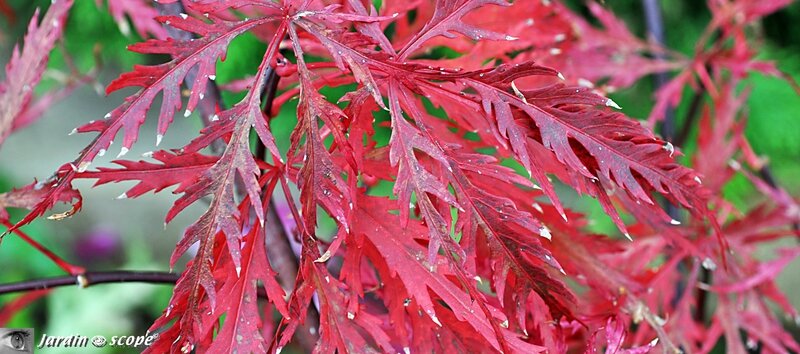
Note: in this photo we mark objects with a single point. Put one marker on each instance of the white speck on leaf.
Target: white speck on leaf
(545, 232)
(83, 166)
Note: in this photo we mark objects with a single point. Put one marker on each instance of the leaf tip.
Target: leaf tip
(612, 104)
(628, 236)
(324, 258)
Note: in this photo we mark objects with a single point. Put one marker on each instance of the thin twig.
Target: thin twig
(655, 28)
(691, 117)
(88, 279)
(283, 257)
(284, 250)
(765, 172)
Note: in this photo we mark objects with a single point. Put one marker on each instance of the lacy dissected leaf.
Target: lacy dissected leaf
(466, 259)
(241, 330)
(615, 333)
(343, 329)
(518, 259)
(497, 216)
(412, 177)
(320, 180)
(371, 29)
(219, 182)
(560, 120)
(222, 226)
(342, 52)
(612, 52)
(405, 259)
(29, 196)
(141, 14)
(188, 312)
(202, 53)
(26, 67)
(447, 21)
(184, 170)
(596, 144)
(195, 293)
(551, 34)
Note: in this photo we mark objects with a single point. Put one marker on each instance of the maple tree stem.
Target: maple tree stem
(691, 116)
(693, 113)
(90, 278)
(283, 251)
(284, 258)
(671, 133)
(655, 28)
(765, 172)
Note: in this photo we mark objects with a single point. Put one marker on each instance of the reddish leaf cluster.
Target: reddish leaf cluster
(466, 254)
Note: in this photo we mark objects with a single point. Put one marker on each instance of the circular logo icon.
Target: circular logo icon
(99, 341)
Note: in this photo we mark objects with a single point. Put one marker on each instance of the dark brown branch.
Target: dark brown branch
(284, 251)
(88, 279)
(691, 117)
(765, 172)
(283, 257)
(655, 29)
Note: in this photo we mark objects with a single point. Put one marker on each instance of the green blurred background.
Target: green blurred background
(122, 234)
